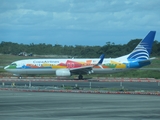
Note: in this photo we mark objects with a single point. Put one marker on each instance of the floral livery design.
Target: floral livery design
(68, 64)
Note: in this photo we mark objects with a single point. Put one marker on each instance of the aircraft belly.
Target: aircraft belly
(40, 71)
(108, 70)
(32, 71)
(52, 71)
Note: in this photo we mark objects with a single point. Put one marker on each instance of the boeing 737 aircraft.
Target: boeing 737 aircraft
(138, 58)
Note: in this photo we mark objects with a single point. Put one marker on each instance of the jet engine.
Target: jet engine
(63, 73)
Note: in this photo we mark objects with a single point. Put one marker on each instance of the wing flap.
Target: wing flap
(81, 70)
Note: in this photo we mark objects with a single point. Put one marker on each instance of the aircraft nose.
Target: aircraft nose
(6, 67)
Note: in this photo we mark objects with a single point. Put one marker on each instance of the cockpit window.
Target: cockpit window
(13, 64)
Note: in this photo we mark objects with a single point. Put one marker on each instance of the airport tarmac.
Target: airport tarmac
(150, 86)
(16, 105)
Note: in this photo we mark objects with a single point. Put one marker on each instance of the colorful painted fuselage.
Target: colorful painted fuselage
(49, 66)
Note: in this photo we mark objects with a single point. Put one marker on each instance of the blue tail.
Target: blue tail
(143, 49)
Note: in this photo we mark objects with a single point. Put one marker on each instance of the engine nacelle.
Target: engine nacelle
(17, 75)
(63, 73)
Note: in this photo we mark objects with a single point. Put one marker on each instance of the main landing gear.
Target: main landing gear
(19, 77)
(80, 77)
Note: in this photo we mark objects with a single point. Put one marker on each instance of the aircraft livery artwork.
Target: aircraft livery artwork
(67, 64)
(138, 58)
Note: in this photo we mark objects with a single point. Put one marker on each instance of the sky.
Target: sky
(78, 22)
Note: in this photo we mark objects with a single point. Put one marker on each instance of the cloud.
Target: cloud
(39, 19)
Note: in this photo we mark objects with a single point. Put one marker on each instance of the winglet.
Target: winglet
(101, 61)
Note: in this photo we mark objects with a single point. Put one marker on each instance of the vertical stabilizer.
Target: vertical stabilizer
(143, 49)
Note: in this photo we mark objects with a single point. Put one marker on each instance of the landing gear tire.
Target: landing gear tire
(20, 77)
(80, 77)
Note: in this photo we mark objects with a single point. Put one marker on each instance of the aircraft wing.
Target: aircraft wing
(82, 70)
(87, 69)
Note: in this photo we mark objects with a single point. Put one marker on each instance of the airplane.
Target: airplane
(138, 58)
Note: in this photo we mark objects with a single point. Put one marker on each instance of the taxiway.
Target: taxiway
(16, 105)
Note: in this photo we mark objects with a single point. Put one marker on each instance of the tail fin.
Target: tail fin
(143, 49)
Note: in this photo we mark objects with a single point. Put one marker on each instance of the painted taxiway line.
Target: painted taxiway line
(82, 91)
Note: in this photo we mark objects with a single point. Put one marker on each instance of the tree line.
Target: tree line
(109, 49)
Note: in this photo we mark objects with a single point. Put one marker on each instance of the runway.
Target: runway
(77, 106)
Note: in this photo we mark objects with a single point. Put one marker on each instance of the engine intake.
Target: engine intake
(63, 73)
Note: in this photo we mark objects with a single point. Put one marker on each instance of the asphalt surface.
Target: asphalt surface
(118, 85)
(77, 106)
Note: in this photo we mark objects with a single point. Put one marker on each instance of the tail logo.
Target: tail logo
(140, 52)
(143, 49)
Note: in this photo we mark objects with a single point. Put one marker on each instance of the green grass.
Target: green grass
(7, 59)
